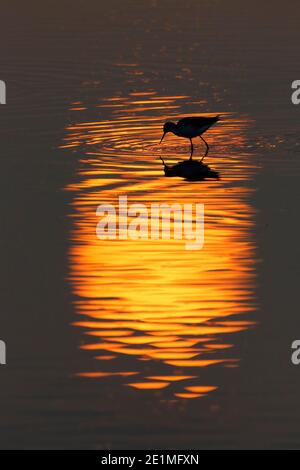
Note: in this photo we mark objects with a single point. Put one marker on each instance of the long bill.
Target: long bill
(162, 137)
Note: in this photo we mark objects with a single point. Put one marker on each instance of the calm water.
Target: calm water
(169, 311)
(144, 344)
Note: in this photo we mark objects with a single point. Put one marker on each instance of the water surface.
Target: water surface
(144, 344)
(170, 310)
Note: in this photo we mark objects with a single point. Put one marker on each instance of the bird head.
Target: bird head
(168, 127)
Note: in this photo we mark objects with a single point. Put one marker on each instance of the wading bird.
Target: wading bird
(189, 128)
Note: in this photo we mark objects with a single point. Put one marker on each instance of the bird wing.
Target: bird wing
(197, 121)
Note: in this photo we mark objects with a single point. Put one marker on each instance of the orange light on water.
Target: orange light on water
(201, 388)
(148, 385)
(189, 395)
(93, 375)
(153, 301)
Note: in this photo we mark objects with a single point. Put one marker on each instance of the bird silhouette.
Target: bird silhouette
(190, 127)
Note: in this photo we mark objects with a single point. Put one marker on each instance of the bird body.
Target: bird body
(191, 127)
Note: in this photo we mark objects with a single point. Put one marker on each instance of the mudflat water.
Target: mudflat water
(126, 344)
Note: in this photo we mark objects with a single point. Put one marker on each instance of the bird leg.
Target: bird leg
(192, 149)
(162, 161)
(207, 147)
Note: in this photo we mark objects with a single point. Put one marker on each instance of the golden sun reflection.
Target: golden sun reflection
(167, 312)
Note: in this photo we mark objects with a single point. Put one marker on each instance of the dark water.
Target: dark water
(123, 344)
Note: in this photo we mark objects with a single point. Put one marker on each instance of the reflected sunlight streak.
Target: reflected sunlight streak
(169, 311)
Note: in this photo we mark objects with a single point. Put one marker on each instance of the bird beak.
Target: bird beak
(162, 137)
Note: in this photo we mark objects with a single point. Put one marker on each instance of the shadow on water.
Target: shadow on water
(190, 170)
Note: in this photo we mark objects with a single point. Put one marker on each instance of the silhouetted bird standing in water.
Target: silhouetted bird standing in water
(189, 128)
